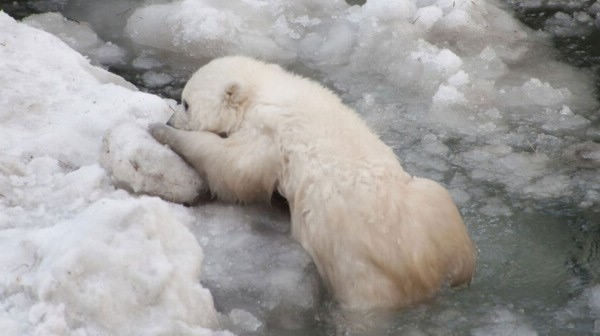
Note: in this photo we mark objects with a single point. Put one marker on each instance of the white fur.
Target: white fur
(380, 238)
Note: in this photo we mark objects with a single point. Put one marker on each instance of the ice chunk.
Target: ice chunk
(108, 54)
(198, 29)
(448, 95)
(139, 163)
(514, 170)
(332, 48)
(488, 64)
(495, 207)
(459, 79)
(586, 154)
(386, 10)
(535, 92)
(503, 322)
(565, 25)
(426, 17)
(547, 143)
(443, 61)
(563, 120)
(550, 187)
(244, 320)
(79, 36)
(155, 79)
(146, 62)
(457, 19)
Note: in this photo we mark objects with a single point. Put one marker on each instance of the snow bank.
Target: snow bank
(79, 257)
(119, 267)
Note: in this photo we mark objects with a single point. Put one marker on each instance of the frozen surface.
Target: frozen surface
(138, 163)
(460, 90)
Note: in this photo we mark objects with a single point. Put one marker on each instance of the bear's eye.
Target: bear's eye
(185, 105)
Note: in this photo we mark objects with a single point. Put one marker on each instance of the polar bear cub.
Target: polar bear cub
(379, 237)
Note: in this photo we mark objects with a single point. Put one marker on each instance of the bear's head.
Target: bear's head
(217, 96)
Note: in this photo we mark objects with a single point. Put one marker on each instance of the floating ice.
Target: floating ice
(156, 79)
(244, 320)
(428, 16)
(145, 62)
(535, 92)
(565, 25)
(586, 154)
(502, 322)
(78, 36)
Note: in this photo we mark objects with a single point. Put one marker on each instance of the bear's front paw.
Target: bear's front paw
(160, 132)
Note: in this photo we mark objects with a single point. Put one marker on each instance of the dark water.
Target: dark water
(581, 47)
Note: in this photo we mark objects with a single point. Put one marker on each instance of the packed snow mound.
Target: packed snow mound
(120, 267)
(78, 256)
(138, 163)
(53, 99)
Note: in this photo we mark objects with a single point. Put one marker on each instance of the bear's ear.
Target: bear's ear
(235, 96)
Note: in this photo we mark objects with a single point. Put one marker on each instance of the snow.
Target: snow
(116, 267)
(79, 256)
(426, 17)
